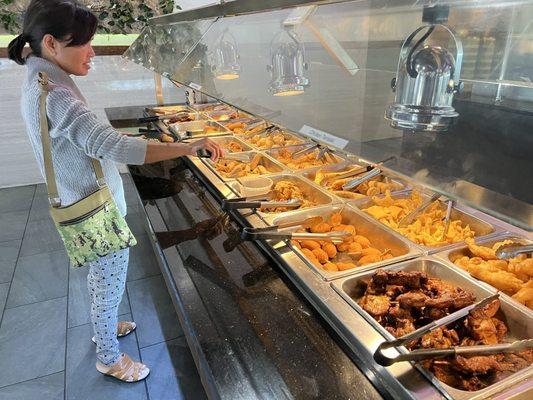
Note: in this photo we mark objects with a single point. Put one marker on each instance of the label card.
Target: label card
(324, 137)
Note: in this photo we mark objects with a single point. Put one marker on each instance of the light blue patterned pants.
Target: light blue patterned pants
(106, 282)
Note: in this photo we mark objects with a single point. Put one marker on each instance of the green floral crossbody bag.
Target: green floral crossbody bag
(92, 227)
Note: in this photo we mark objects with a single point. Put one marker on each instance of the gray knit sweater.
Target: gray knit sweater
(76, 135)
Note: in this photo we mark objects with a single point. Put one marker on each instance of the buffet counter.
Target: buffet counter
(252, 334)
(271, 314)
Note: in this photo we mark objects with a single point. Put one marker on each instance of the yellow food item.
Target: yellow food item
(306, 161)
(362, 240)
(336, 219)
(272, 139)
(428, 227)
(345, 266)
(355, 250)
(234, 147)
(369, 259)
(321, 255)
(309, 244)
(323, 227)
(370, 251)
(284, 191)
(238, 169)
(525, 294)
(513, 276)
(330, 249)
(166, 138)
(329, 266)
(373, 187)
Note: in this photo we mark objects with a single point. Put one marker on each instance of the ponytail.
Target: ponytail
(15, 48)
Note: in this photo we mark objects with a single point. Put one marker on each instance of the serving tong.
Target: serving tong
(513, 250)
(273, 232)
(162, 117)
(409, 218)
(422, 354)
(268, 129)
(242, 157)
(372, 170)
(233, 241)
(259, 201)
(322, 150)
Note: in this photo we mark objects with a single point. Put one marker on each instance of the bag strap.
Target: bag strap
(53, 195)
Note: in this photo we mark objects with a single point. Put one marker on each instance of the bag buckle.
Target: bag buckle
(54, 201)
(101, 182)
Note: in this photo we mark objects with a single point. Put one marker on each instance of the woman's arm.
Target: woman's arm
(71, 118)
(164, 151)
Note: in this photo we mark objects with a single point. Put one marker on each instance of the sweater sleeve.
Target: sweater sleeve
(71, 118)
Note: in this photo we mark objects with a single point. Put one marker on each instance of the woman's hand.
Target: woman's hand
(206, 144)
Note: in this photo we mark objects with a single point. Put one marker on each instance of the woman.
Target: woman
(59, 34)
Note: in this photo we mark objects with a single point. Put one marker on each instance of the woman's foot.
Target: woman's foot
(124, 328)
(125, 369)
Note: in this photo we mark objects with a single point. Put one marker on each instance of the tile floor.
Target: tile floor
(45, 347)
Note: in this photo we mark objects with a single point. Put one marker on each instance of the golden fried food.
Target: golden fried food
(373, 187)
(398, 299)
(428, 227)
(238, 169)
(285, 191)
(234, 147)
(355, 251)
(272, 139)
(306, 161)
(166, 138)
(513, 277)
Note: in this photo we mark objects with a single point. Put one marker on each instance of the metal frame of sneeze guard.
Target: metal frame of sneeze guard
(205, 25)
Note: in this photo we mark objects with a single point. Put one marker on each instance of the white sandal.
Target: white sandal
(125, 369)
(124, 328)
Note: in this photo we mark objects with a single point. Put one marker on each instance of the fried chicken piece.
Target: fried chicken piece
(476, 364)
(483, 330)
(375, 305)
(403, 327)
(463, 299)
(435, 313)
(444, 301)
(435, 340)
(486, 253)
(400, 313)
(443, 372)
(501, 329)
(414, 279)
(525, 294)
(412, 299)
(487, 311)
(393, 291)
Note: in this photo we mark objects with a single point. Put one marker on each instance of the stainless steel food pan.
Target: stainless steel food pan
(519, 324)
(311, 174)
(197, 129)
(380, 238)
(274, 153)
(481, 228)
(272, 166)
(449, 256)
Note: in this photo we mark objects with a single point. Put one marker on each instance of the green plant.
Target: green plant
(130, 16)
(10, 20)
(114, 16)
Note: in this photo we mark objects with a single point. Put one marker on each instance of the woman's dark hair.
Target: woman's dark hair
(63, 19)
